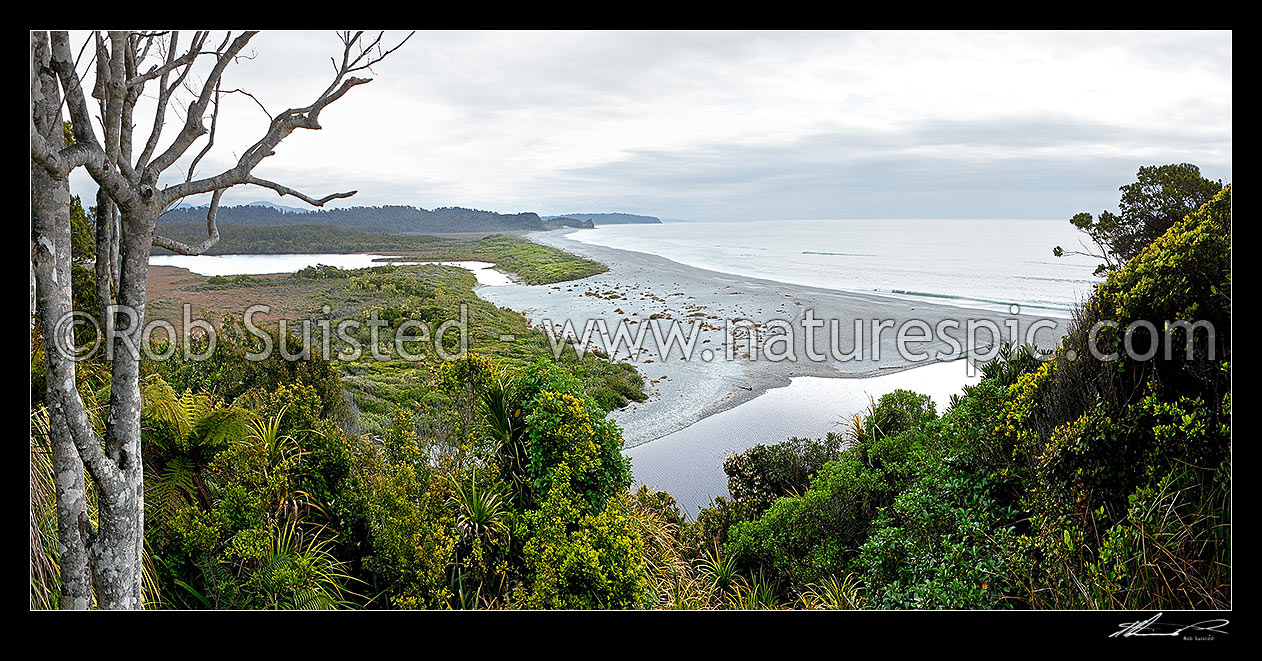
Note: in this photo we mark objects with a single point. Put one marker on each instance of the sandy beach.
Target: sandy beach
(642, 290)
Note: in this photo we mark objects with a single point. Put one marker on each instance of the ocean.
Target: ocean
(990, 264)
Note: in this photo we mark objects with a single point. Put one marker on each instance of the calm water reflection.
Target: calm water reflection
(257, 264)
(689, 463)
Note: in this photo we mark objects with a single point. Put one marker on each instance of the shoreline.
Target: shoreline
(640, 287)
(643, 289)
(988, 300)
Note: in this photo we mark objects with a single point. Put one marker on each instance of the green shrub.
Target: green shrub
(580, 556)
(763, 473)
(808, 537)
(321, 272)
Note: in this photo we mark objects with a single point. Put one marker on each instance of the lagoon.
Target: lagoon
(210, 265)
(688, 463)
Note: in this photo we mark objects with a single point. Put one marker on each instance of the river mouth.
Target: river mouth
(699, 412)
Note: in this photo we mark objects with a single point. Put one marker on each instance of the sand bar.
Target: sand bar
(639, 286)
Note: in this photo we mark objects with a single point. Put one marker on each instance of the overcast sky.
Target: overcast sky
(722, 125)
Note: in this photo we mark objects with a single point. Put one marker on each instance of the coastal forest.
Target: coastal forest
(497, 481)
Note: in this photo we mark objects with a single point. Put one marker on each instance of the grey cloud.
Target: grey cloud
(858, 175)
(1034, 132)
(1017, 166)
(486, 75)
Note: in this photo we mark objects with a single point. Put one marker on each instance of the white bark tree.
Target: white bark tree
(104, 560)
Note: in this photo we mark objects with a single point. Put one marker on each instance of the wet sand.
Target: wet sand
(641, 290)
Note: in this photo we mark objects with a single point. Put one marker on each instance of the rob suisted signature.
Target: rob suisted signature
(1151, 627)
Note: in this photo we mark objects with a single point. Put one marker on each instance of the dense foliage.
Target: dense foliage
(257, 495)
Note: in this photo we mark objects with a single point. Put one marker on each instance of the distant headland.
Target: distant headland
(609, 218)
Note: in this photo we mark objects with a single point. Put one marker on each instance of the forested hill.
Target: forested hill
(609, 218)
(392, 219)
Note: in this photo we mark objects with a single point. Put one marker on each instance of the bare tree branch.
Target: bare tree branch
(114, 90)
(86, 151)
(80, 118)
(256, 100)
(131, 61)
(164, 94)
(102, 68)
(285, 190)
(210, 142)
(137, 37)
(284, 123)
(280, 128)
(172, 62)
(41, 151)
(77, 59)
(193, 124)
(212, 233)
(366, 59)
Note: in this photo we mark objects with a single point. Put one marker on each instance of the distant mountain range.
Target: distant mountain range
(609, 218)
(259, 203)
(396, 219)
(389, 219)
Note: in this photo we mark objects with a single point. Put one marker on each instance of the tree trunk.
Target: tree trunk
(106, 248)
(50, 224)
(113, 551)
(51, 297)
(118, 547)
